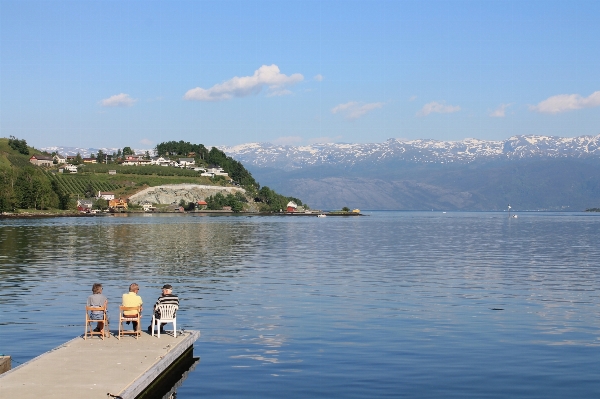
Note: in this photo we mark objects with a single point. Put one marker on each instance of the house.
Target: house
(70, 168)
(186, 162)
(216, 170)
(161, 161)
(112, 172)
(41, 160)
(136, 160)
(117, 205)
(202, 204)
(60, 159)
(89, 160)
(85, 205)
(291, 206)
(106, 195)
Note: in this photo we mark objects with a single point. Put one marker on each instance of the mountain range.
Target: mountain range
(530, 172)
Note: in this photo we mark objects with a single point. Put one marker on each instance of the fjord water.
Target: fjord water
(393, 304)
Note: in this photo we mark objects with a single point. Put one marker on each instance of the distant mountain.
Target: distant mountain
(530, 172)
(415, 151)
(86, 152)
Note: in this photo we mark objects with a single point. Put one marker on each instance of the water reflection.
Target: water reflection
(301, 299)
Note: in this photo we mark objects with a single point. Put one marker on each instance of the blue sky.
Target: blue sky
(136, 73)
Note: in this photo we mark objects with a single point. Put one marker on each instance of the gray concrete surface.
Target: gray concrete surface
(94, 367)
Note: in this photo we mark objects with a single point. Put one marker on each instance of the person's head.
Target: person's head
(97, 288)
(134, 287)
(167, 289)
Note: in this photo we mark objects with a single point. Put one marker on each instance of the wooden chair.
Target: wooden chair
(168, 314)
(123, 319)
(88, 322)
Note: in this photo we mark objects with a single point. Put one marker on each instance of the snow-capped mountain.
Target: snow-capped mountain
(86, 152)
(290, 158)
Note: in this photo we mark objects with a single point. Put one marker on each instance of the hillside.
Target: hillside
(24, 186)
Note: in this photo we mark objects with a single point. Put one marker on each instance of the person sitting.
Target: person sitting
(167, 297)
(132, 299)
(97, 300)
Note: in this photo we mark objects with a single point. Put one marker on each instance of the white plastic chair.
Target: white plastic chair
(167, 315)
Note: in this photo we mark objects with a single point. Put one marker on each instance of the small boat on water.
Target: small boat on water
(321, 215)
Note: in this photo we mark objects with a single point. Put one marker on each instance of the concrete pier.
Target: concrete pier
(4, 364)
(94, 368)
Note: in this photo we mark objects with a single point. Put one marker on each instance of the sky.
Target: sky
(138, 73)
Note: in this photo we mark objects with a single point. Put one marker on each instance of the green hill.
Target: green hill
(25, 186)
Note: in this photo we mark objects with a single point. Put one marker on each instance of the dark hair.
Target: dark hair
(96, 288)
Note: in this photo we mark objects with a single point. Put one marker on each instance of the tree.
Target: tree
(345, 209)
(147, 155)
(78, 159)
(33, 190)
(18, 145)
(100, 203)
(64, 198)
(89, 191)
(101, 157)
(127, 151)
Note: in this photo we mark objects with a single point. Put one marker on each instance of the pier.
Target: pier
(96, 368)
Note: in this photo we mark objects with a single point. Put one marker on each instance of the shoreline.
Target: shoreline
(28, 215)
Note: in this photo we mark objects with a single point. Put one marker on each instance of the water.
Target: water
(394, 304)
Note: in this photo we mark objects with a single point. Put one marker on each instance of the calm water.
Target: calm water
(396, 304)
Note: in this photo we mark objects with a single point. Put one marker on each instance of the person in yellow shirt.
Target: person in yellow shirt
(132, 299)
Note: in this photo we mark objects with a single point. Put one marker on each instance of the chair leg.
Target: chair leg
(152, 325)
(175, 328)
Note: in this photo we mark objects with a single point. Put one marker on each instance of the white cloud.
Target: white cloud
(323, 140)
(566, 102)
(287, 140)
(412, 98)
(266, 75)
(439, 108)
(118, 100)
(146, 142)
(354, 110)
(500, 112)
(318, 78)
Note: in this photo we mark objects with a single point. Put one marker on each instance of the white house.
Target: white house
(106, 195)
(216, 170)
(185, 162)
(162, 161)
(60, 159)
(70, 168)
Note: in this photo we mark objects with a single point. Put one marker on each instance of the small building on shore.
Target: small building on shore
(291, 206)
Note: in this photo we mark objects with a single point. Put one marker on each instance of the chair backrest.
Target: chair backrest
(167, 310)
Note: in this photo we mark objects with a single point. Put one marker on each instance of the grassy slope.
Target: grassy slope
(122, 184)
